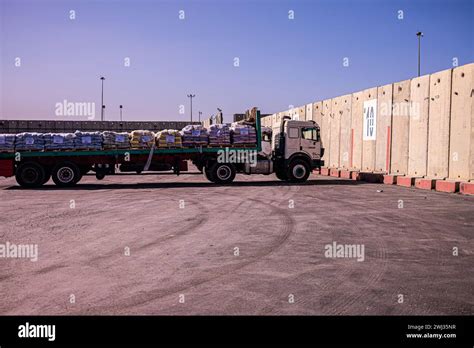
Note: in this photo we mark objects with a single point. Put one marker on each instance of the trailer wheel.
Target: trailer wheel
(30, 174)
(222, 173)
(66, 174)
(99, 176)
(207, 174)
(298, 171)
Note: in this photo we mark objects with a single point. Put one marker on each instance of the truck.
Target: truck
(291, 150)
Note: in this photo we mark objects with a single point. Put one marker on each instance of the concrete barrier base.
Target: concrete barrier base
(467, 188)
(346, 174)
(447, 186)
(390, 179)
(425, 184)
(334, 172)
(355, 176)
(325, 171)
(371, 177)
(406, 181)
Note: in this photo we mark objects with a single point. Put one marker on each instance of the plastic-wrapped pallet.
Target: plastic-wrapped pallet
(219, 135)
(140, 139)
(29, 142)
(7, 142)
(114, 140)
(87, 140)
(243, 134)
(59, 141)
(169, 138)
(194, 135)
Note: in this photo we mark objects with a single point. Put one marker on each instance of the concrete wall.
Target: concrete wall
(344, 110)
(461, 148)
(356, 130)
(309, 112)
(317, 113)
(335, 133)
(326, 129)
(384, 128)
(418, 133)
(368, 146)
(439, 121)
(400, 127)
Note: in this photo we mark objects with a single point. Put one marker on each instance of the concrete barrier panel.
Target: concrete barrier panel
(439, 121)
(302, 113)
(309, 112)
(461, 148)
(317, 112)
(384, 128)
(356, 130)
(368, 146)
(326, 129)
(418, 133)
(400, 127)
(335, 133)
(344, 110)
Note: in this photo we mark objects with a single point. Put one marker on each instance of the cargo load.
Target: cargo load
(59, 141)
(87, 140)
(7, 142)
(116, 140)
(219, 135)
(169, 138)
(140, 139)
(29, 141)
(242, 134)
(194, 135)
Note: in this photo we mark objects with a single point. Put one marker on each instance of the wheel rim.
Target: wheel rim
(65, 175)
(30, 175)
(299, 171)
(224, 172)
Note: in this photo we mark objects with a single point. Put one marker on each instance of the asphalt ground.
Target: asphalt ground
(148, 244)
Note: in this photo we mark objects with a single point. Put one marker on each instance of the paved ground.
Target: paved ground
(408, 237)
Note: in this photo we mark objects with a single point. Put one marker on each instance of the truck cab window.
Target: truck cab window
(293, 132)
(309, 134)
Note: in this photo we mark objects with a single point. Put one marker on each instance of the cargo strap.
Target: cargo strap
(150, 156)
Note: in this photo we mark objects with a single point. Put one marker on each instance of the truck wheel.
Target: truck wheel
(281, 175)
(99, 176)
(207, 174)
(223, 173)
(66, 174)
(30, 174)
(298, 171)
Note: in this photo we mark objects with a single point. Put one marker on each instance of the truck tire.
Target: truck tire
(281, 175)
(66, 174)
(298, 171)
(222, 173)
(207, 174)
(30, 174)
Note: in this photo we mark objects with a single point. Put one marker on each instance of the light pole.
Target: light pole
(420, 35)
(121, 107)
(200, 113)
(191, 96)
(102, 103)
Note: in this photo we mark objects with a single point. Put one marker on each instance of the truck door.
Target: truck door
(292, 140)
(310, 142)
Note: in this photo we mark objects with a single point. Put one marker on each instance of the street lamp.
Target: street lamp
(420, 35)
(102, 103)
(191, 96)
(121, 107)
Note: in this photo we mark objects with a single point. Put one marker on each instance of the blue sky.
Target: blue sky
(282, 62)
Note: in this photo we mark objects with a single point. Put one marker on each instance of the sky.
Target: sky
(232, 54)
